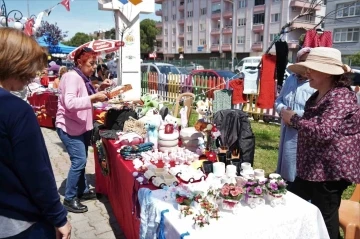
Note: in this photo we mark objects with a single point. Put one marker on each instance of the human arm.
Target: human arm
(280, 100)
(331, 114)
(31, 164)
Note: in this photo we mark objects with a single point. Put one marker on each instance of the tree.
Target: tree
(78, 39)
(148, 32)
(51, 32)
(111, 34)
(355, 59)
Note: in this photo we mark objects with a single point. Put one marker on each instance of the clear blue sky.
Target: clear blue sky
(84, 15)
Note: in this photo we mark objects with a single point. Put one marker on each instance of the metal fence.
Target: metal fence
(169, 87)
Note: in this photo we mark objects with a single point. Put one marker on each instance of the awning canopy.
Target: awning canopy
(59, 48)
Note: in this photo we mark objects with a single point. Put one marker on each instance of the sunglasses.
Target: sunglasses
(85, 49)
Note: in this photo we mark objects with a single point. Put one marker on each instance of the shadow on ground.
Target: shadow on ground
(89, 177)
(61, 145)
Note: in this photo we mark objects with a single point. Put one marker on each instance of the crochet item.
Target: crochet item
(102, 158)
(134, 151)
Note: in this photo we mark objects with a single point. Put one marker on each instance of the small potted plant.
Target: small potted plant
(255, 191)
(197, 200)
(214, 214)
(200, 221)
(183, 201)
(231, 196)
(276, 188)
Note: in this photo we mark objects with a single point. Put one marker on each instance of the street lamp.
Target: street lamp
(4, 17)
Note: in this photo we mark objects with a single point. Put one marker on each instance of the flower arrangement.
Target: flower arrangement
(255, 187)
(206, 206)
(183, 199)
(231, 192)
(214, 214)
(186, 211)
(212, 192)
(198, 198)
(183, 195)
(276, 186)
(200, 220)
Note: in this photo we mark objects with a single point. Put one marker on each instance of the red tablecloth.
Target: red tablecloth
(121, 188)
(45, 104)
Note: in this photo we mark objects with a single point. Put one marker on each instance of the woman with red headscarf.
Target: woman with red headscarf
(74, 122)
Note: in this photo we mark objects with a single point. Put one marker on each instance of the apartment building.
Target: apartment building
(344, 21)
(203, 29)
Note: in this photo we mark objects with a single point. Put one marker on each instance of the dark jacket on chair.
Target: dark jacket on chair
(236, 133)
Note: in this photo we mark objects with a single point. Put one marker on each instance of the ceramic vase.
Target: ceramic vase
(230, 205)
(254, 200)
(276, 199)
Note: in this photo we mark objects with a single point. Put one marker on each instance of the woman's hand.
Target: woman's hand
(105, 84)
(286, 115)
(99, 96)
(64, 232)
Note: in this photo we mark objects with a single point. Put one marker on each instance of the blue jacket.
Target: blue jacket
(28, 191)
(294, 95)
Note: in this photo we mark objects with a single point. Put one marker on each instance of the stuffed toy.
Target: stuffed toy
(149, 102)
(169, 119)
(183, 117)
(203, 108)
(153, 131)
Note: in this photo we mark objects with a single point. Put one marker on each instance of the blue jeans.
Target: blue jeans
(77, 148)
(39, 230)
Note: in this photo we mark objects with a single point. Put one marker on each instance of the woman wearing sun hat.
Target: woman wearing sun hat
(328, 158)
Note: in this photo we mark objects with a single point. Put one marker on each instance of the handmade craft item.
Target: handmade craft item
(114, 91)
(184, 117)
(203, 108)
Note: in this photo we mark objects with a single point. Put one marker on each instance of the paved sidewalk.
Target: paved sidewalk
(99, 222)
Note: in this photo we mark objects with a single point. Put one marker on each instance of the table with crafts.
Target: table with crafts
(45, 106)
(294, 219)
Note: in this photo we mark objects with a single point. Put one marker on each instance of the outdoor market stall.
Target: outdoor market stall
(44, 104)
(181, 190)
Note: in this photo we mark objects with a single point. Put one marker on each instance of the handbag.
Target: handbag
(136, 126)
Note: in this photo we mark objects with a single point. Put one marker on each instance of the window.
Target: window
(189, 28)
(216, 8)
(190, 14)
(144, 69)
(166, 44)
(203, 11)
(174, 44)
(202, 26)
(259, 18)
(259, 2)
(189, 1)
(174, 30)
(346, 35)
(242, 4)
(189, 42)
(202, 42)
(166, 18)
(241, 22)
(275, 17)
(165, 32)
(153, 69)
(276, 0)
(272, 37)
(174, 16)
(173, 3)
(241, 40)
(348, 9)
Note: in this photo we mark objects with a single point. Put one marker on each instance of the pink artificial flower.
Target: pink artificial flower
(234, 193)
(273, 186)
(258, 190)
(225, 191)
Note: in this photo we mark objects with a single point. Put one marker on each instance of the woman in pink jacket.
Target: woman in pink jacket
(74, 122)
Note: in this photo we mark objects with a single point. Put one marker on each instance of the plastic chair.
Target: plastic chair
(349, 215)
(188, 101)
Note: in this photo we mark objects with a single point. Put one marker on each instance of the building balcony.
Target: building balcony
(215, 15)
(215, 31)
(159, 24)
(259, 8)
(228, 13)
(158, 12)
(303, 3)
(158, 1)
(181, 21)
(215, 1)
(293, 44)
(257, 46)
(159, 50)
(226, 47)
(181, 35)
(227, 30)
(303, 24)
(159, 37)
(258, 28)
(182, 7)
(215, 47)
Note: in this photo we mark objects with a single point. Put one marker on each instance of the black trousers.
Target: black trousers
(327, 197)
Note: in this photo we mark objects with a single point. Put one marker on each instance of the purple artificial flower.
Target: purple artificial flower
(281, 183)
(273, 186)
(258, 190)
(248, 189)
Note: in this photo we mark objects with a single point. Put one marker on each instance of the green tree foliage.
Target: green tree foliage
(355, 59)
(78, 39)
(148, 32)
(110, 34)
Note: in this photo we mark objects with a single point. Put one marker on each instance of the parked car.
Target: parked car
(160, 68)
(248, 63)
(228, 75)
(70, 65)
(184, 71)
(194, 66)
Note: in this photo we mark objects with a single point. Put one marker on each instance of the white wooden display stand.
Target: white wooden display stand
(127, 17)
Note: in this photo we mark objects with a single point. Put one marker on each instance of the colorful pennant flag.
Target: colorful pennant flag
(135, 2)
(28, 26)
(124, 1)
(66, 4)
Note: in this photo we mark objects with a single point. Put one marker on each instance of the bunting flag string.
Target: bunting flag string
(66, 4)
